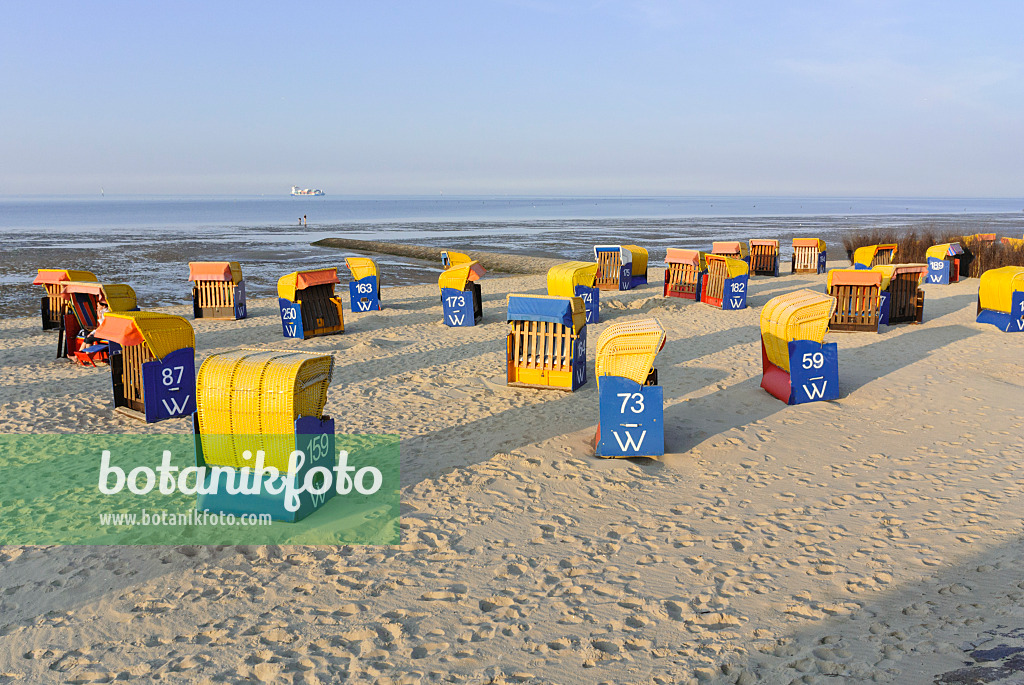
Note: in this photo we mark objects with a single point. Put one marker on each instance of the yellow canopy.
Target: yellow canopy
(289, 284)
(249, 400)
(733, 267)
(51, 276)
(456, 277)
(943, 250)
(563, 278)
(865, 255)
(162, 333)
(639, 259)
(997, 287)
(628, 349)
(361, 267)
(799, 315)
(119, 296)
(888, 271)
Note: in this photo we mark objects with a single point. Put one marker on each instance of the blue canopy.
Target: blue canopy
(540, 308)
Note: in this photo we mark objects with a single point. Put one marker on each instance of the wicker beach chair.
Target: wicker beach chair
(86, 304)
(809, 256)
(576, 279)
(364, 288)
(53, 305)
(461, 298)
(152, 364)
(620, 267)
(872, 255)
(797, 366)
(685, 269)
(546, 346)
(944, 263)
(630, 400)
(1001, 298)
(731, 248)
(764, 257)
(725, 284)
(218, 291)
(308, 304)
(264, 404)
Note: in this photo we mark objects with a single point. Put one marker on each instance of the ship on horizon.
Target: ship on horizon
(306, 191)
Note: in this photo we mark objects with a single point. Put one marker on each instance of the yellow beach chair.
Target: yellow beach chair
(576, 279)
(797, 366)
(631, 402)
(546, 346)
(1001, 298)
(263, 405)
(872, 255)
(944, 263)
(725, 283)
(364, 288)
(308, 304)
(153, 364)
(461, 298)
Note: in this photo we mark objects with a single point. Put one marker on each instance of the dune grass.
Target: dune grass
(979, 256)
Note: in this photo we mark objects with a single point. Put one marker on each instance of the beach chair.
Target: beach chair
(1012, 242)
(944, 263)
(152, 364)
(764, 257)
(257, 406)
(546, 346)
(731, 248)
(308, 304)
(684, 273)
(218, 291)
(631, 403)
(872, 255)
(461, 299)
(858, 294)
(451, 259)
(87, 302)
(725, 284)
(576, 279)
(364, 288)
(1001, 298)
(620, 267)
(901, 297)
(980, 238)
(809, 256)
(797, 365)
(53, 305)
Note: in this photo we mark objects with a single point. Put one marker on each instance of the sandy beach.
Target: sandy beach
(871, 539)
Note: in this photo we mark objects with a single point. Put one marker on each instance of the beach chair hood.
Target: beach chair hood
(456, 277)
(52, 276)
(943, 250)
(215, 271)
(997, 287)
(361, 267)
(628, 349)
(675, 255)
(889, 271)
(733, 267)
(289, 284)
(800, 315)
(864, 255)
(162, 333)
(563, 278)
(730, 247)
(120, 297)
(452, 259)
(809, 242)
(853, 277)
(567, 311)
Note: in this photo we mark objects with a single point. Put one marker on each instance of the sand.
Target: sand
(874, 538)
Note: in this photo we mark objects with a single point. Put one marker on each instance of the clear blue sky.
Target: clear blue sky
(849, 98)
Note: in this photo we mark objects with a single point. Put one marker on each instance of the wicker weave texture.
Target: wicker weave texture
(628, 349)
(799, 315)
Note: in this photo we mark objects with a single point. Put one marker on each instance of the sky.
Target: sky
(520, 97)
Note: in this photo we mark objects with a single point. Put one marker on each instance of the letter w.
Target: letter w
(364, 305)
(456, 320)
(629, 445)
(291, 328)
(814, 392)
(173, 409)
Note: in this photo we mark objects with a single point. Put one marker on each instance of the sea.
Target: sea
(147, 241)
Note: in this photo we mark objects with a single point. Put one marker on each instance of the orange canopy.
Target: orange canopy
(307, 279)
(214, 271)
(122, 331)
